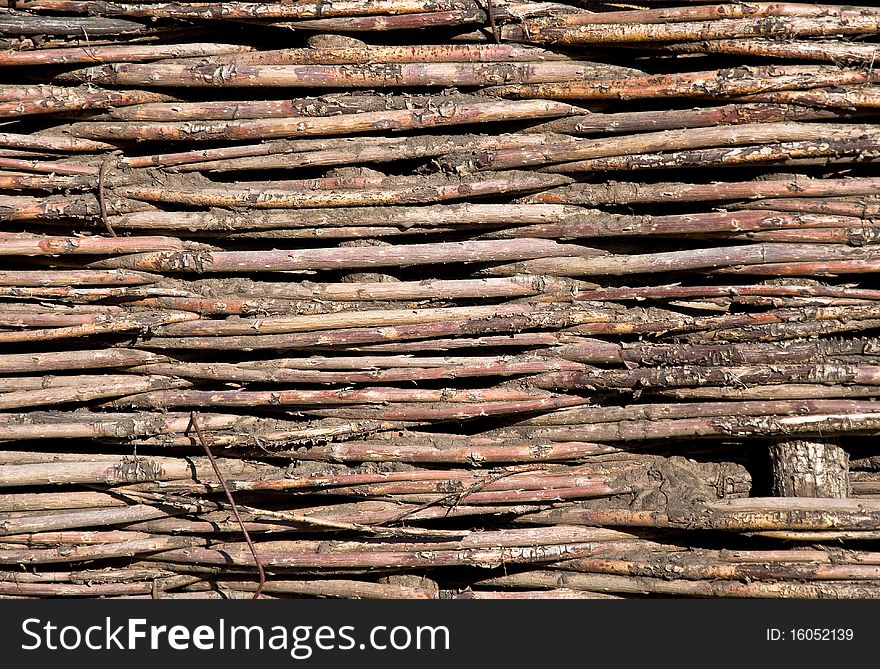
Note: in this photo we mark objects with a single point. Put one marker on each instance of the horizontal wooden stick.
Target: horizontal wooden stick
(293, 298)
(310, 126)
(672, 140)
(90, 296)
(52, 501)
(426, 289)
(122, 470)
(370, 24)
(29, 315)
(122, 53)
(713, 354)
(19, 24)
(60, 207)
(485, 185)
(174, 430)
(47, 166)
(595, 223)
(441, 343)
(428, 412)
(379, 75)
(55, 99)
(13, 244)
(782, 324)
(78, 518)
(747, 259)
(52, 142)
(22, 181)
(351, 338)
(92, 389)
(352, 51)
(865, 207)
(832, 150)
(679, 587)
(237, 374)
(755, 514)
(135, 322)
(107, 575)
(811, 268)
(852, 236)
(735, 426)
(66, 278)
(242, 10)
(123, 549)
(275, 554)
(792, 391)
(570, 29)
(687, 570)
(638, 193)
(360, 516)
(845, 98)
(682, 375)
(172, 399)
(707, 12)
(550, 593)
(329, 104)
(824, 50)
(447, 215)
(701, 85)
(647, 121)
(342, 258)
(332, 587)
(331, 321)
(96, 589)
(286, 154)
(645, 412)
(255, 294)
(448, 449)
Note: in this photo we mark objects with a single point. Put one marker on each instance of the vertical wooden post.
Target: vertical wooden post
(809, 468)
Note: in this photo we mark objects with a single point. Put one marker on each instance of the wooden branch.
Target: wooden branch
(241, 10)
(15, 244)
(485, 185)
(56, 99)
(66, 278)
(371, 75)
(770, 258)
(19, 24)
(832, 52)
(571, 29)
(55, 207)
(309, 126)
(343, 258)
(353, 51)
(121, 53)
(636, 193)
(324, 152)
(52, 142)
(647, 121)
(754, 514)
(673, 140)
(823, 152)
(679, 587)
(848, 98)
(740, 81)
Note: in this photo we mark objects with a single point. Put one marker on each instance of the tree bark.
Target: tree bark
(809, 468)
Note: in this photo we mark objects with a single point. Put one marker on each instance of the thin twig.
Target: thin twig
(102, 202)
(458, 496)
(490, 12)
(247, 537)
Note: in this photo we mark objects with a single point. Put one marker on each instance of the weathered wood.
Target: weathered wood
(809, 468)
